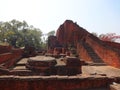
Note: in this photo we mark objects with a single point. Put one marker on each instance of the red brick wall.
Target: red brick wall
(5, 49)
(4, 57)
(113, 44)
(51, 84)
(83, 52)
(10, 57)
(108, 55)
(15, 56)
(70, 33)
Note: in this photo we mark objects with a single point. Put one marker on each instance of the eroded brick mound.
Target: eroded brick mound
(73, 65)
(42, 65)
(70, 33)
(52, 42)
(9, 56)
(16, 54)
(29, 51)
(113, 44)
(50, 66)
(41, 61)
(108, 54)
(72, 61)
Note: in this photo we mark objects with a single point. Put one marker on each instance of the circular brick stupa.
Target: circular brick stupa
(40, 64)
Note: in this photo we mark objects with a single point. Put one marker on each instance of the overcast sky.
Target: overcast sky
(100, 16)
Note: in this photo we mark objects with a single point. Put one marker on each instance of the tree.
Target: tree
(20, 34)
(109, 37)
(51, 33)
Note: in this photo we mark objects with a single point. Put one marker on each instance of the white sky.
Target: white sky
(100, 16)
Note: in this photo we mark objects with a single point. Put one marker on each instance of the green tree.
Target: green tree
(51, 33)
(20, 34)
(44, 42)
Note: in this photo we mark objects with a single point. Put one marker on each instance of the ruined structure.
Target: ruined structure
(40, 65)
(9, 56)
(81, 62)
(70, 33)
(89, 47)
(51, 66)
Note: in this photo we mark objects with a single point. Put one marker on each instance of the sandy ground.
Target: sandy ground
(108, 70)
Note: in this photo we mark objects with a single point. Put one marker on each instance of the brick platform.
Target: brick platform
(51, 82)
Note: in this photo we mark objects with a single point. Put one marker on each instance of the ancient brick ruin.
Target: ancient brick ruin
(75, 60)
(9, 56)
(88, 47)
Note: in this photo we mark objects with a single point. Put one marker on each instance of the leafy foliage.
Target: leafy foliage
(20, 34)
(109, 37)
(51, 33)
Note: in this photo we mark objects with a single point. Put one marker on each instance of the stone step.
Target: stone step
(92, 53)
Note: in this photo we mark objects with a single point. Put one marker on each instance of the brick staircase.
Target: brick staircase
(95, 58)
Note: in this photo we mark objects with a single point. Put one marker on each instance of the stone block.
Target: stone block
(72, 61)
(61, 70)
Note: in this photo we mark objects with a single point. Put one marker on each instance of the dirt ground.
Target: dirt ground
(108, 70)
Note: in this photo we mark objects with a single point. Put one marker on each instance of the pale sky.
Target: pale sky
(100, 16)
